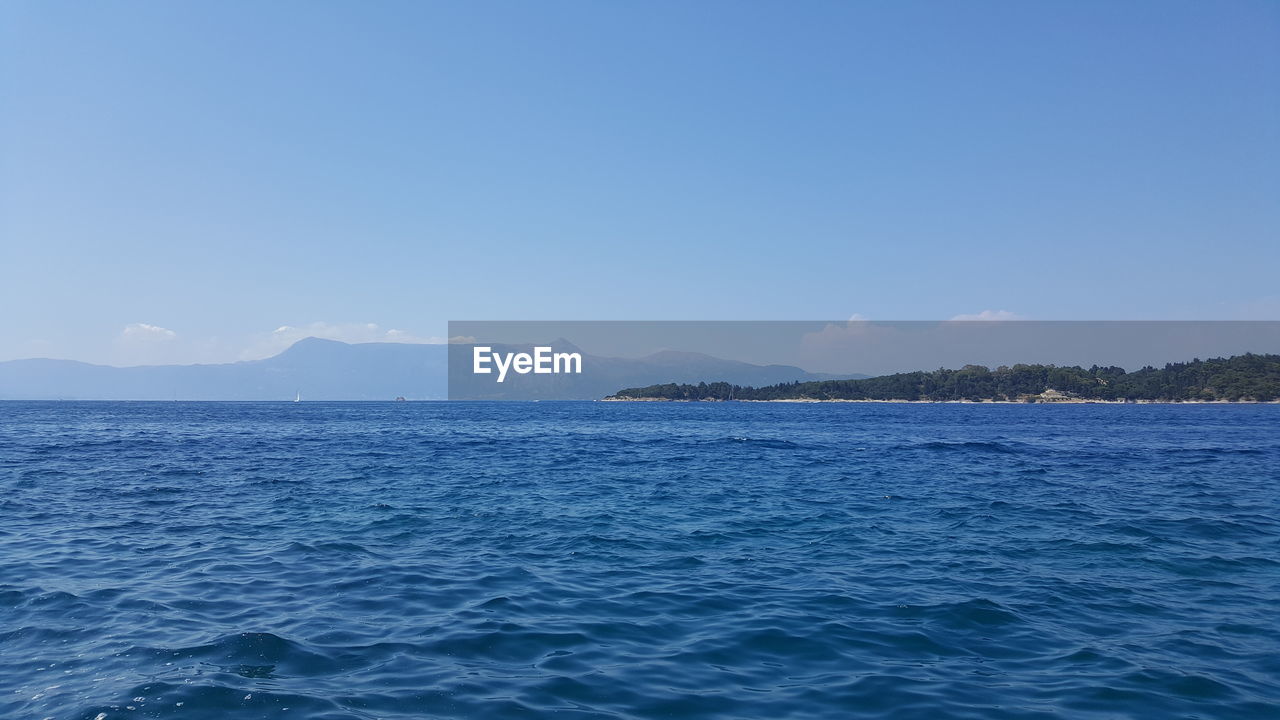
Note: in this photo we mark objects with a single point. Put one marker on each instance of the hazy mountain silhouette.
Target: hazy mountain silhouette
(601, 375)
(330, 370)
(318, 369)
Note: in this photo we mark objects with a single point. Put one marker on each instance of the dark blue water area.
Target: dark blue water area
(638, 560)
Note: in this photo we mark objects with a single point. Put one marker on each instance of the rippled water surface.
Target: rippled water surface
(602, 560)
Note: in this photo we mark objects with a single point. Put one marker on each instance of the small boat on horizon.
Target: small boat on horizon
(297, 397)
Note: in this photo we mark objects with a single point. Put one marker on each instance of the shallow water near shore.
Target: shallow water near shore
(647, 560)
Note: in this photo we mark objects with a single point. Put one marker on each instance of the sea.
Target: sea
(638, 560)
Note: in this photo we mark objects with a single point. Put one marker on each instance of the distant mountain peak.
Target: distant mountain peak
(562, 345)
(681, 357)
(313, 341)
(311, 346)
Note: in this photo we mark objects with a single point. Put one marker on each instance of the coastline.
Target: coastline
(1072, 401)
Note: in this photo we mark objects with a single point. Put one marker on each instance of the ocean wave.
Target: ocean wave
(748, 560)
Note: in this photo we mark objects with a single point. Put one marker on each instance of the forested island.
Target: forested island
(1242, 378)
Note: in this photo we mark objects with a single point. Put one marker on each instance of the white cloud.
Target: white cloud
(858, 317)
(146, 344)
(266, 345)
(144, 331)
(991, 315)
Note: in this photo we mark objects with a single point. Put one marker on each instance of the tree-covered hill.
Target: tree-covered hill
(1246, 377)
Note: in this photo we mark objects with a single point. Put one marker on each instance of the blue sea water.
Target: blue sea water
(618, 560)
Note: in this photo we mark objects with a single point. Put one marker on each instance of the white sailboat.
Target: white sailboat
(298, 397)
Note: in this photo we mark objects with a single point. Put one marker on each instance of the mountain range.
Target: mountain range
(319, 369)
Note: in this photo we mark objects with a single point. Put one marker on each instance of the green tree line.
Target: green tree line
(1248, 377)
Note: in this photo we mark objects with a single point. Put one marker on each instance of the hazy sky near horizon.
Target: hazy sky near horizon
(184, 182)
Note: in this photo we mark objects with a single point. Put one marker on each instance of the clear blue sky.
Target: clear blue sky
(179, 180)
